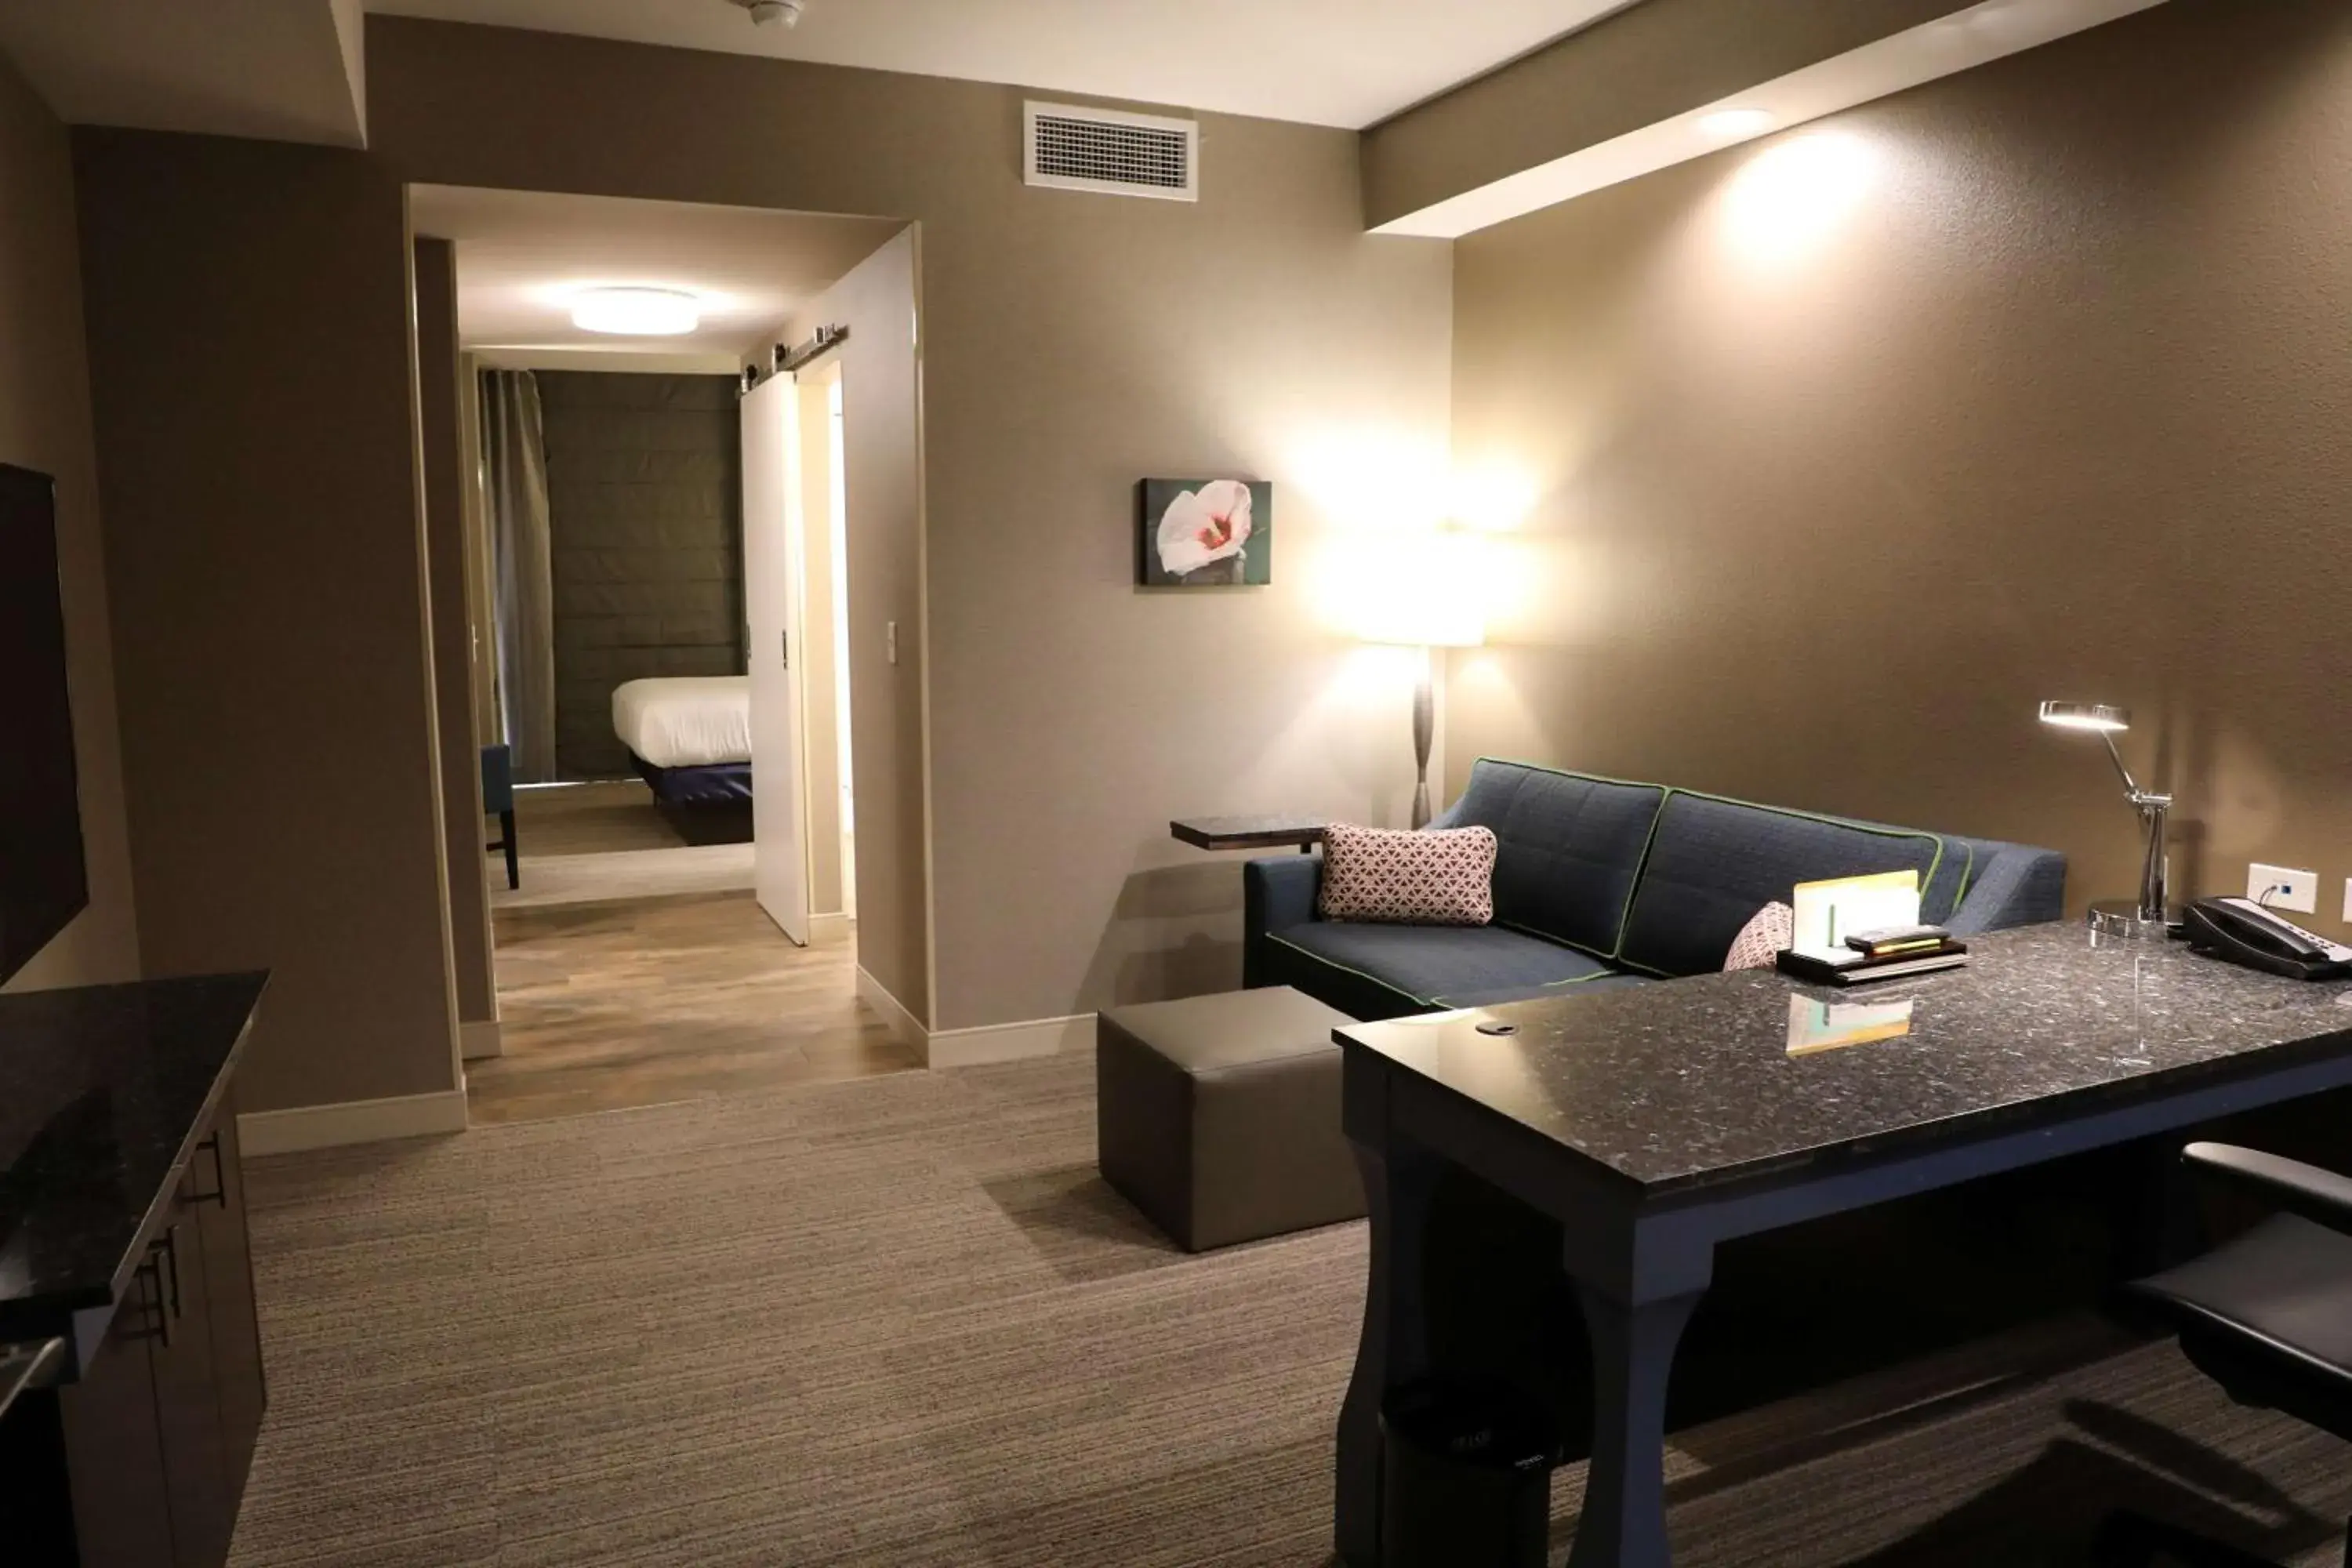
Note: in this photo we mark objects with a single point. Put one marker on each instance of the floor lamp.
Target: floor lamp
(1432, 612)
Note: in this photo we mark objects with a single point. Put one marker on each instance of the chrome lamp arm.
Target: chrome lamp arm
(2155, 811)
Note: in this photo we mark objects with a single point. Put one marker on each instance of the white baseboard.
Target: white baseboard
(479, 1040)
(1010, 1042)
(981, 1044)
(907, 1028)
(352, 1122)
(829, 928)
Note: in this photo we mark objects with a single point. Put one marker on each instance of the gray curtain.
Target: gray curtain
(514, 470)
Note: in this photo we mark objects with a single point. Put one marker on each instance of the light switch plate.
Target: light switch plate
(2284, 888)
(2348, 900)
(890, 639)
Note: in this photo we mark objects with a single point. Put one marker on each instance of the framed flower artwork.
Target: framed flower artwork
(1195, 534)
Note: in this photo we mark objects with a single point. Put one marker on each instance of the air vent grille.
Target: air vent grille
(1105, 150)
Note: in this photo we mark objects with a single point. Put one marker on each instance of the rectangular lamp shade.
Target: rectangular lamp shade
(1429, 626)
(1424, 596)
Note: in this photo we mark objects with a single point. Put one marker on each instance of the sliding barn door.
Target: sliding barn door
(772, 531)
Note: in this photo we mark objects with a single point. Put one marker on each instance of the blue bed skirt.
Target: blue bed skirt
(717, 783)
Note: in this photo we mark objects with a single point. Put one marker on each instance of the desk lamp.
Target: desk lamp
(2149, 917)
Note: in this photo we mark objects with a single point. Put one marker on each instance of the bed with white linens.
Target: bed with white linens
(690, 736)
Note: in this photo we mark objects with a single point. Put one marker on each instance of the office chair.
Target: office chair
(2268, 1317)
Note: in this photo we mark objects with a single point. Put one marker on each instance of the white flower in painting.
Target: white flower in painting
(1205, 525)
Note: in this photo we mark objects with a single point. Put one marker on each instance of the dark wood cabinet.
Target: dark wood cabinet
(219, 1204)
(187, 1397)
(128, 1420)
(119, 1502)
(140, 1461)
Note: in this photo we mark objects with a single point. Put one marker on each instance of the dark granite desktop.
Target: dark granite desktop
(1720, 1078)
(102, 1090)
(1617, 1206)
(23, 1366)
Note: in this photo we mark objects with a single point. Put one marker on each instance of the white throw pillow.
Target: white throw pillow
(1442, 878)
(1769, 932)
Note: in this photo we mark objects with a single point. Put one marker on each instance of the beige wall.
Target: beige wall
(443, 451)
(1072, 345)
(45, 424)
(881, 394)
(2034, 385)
(248, 308)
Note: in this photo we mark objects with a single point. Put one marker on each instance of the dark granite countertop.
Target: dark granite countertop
(102, 1092)
(23, 1366)
(1724, 1077)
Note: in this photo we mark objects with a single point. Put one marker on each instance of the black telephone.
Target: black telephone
(2242, 932)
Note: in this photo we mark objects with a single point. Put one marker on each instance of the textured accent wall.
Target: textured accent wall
(645, 500)
(45, 424)
(1837, 453)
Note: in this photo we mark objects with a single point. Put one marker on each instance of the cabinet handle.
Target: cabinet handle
(168, 1244)
(150, 1274)
(219, 1194)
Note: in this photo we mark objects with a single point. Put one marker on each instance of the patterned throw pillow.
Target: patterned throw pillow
(1769, 932)
(1442, 878)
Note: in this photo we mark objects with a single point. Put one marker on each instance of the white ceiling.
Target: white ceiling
(285, 70)
(1327, 62)
(522, 255)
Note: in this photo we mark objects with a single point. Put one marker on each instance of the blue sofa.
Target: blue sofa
(1599, 882)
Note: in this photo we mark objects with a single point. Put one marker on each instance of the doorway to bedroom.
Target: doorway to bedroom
(660, 532)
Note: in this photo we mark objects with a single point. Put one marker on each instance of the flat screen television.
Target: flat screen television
(43, 881)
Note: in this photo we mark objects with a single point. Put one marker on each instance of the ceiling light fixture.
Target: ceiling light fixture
(1736, 124)
(636, 313)
(767, 13)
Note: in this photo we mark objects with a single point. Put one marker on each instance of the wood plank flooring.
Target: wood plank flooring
(590, 819)
(610, 1006)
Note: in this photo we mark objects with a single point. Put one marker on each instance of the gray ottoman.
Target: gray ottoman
(1219, 1116)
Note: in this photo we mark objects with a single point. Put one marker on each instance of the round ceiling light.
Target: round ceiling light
(766, 13)
(636, 313)
(1736, 124)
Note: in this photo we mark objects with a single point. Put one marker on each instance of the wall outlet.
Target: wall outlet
(2282, 888)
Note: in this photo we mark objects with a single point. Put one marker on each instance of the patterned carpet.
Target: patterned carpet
(900, 1322)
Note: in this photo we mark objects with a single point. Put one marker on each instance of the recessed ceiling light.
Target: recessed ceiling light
(1736, 124)
(636, 313)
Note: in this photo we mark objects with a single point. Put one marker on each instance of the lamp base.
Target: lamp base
(2121, 918)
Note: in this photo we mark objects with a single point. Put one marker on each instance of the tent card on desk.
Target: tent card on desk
(1827, 912)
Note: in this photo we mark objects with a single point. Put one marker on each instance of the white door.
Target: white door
(772, 526)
